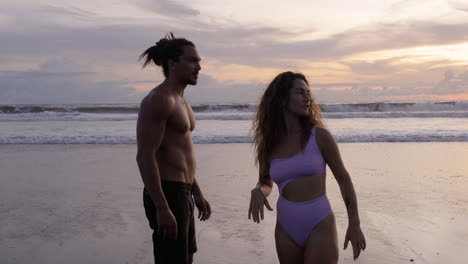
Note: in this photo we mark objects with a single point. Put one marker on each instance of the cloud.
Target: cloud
(123, 43)
(397, 66)
(402, 5)
(365, 39)
(66, 11)
(452, 83)
(209, 90)
(46, 86)
(254, 45)
(112, 41)
(167, 7)
(378, 67)
(460, 6)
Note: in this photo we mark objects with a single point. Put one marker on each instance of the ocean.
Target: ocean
(75, 189)
(231, 123)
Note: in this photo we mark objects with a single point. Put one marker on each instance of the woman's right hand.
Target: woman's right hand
(167, 224)
(257, 201)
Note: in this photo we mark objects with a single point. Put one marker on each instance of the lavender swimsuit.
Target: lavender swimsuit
(298, 219)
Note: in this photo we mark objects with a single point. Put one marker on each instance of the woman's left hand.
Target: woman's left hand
(358, 241)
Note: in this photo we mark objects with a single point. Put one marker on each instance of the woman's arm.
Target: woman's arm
(332, 156)
(258, 198)
(265, 184)
(331, 153)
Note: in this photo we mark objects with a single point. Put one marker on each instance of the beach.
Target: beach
(83, 204)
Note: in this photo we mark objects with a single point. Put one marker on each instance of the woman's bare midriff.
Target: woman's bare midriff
(305, 188)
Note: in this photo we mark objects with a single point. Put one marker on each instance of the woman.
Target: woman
(293, 148)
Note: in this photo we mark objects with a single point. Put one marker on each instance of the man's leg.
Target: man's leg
(192, 243)
(181, 204)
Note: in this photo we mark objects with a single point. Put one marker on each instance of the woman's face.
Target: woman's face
(299, 98)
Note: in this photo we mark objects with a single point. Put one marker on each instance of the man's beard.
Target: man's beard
(191, 82)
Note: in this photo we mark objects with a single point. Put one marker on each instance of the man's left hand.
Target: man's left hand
(204, 208)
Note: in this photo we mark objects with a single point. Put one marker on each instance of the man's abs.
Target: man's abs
(176, 164)
(175, 156)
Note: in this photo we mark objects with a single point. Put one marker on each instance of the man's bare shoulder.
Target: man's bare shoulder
(159, 104)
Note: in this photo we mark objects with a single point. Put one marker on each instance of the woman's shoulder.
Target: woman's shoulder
(323, 136)
(322, 132)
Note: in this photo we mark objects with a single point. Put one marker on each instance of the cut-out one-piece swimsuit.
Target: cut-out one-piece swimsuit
(298, 219)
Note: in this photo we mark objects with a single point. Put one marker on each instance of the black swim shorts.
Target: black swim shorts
(179, 198)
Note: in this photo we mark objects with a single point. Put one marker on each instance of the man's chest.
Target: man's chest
(182, 119)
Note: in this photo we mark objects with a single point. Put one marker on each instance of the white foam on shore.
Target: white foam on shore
(125, 112)
(124, 138)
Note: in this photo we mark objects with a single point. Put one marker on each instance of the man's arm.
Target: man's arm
(204, 208)
(154, 113)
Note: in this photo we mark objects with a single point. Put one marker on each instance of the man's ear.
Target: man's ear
(171, 64)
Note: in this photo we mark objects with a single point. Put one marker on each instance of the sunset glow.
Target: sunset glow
(393, 48)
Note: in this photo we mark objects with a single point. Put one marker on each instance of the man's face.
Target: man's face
(187, 68)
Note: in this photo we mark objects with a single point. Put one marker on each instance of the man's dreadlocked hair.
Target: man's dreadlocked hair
(167, 48)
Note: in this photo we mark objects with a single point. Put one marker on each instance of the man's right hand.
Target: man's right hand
(167, 224)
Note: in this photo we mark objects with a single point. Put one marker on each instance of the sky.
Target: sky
(56, 51)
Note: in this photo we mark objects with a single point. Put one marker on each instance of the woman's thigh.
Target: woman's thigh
(288, 251)
(322, 245)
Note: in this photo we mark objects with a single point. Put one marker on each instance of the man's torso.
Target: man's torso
(175, 156)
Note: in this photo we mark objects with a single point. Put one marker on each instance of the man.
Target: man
(165, 153)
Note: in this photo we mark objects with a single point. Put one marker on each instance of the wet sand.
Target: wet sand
(82, 203)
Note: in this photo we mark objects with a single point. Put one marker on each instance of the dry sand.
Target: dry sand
(82, 204)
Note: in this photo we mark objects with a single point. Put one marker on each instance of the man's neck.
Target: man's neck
(175, 86)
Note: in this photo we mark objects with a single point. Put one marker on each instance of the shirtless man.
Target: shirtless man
(165, 153)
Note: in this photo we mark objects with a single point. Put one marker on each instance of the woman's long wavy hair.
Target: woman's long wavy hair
(269, 126)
